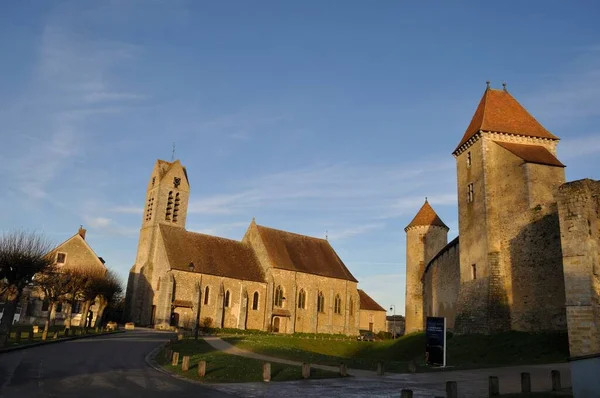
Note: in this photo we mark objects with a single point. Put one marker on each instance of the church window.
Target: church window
(278, 302)
(149, 208)
(158, 285)
(61, 258)
(302, 299)
(176, 207)
(255, 301)
(227, 298)
(468, 159)
(351, 307)
(337, 304)
(473, 271)
(58, 307)
(169, 206)
(470, 193)
(321, 302)
(206, 294)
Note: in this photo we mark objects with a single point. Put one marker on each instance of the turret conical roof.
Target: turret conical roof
(425, 217)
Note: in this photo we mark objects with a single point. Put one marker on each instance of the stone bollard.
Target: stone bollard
(555, 374)
(175, 359)
(406, 393)
(451, 389)
(343, 370)
(380, 369)
(267, 372)
(55, 335)
(185, 363)
(201, 368)
(305, 370)
(525, 382)
(180, 336)
(494, 386)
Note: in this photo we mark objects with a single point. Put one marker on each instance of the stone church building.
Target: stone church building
(271, 280)
(505, 269)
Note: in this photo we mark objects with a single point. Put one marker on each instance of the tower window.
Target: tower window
(473, 271)
(255, 301)
(61, 258)
(337, 306)
(169, 206)
(153, 180)
(302, 299)
(469, 159)
(470, 193)
(206, 294)
(149, 208)
(321, 302)
(227, 298)
(176, 207)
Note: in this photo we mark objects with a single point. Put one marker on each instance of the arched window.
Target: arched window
(321, 303)
(278, 301)
(351, 307)
(302, 299)
(255, 301)
(206, 294)
(176, 207)
(169, 206)
(149, 208)
(227, 298)
(337, 304)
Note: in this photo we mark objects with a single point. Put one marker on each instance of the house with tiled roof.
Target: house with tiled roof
(504, 271)
(372, 315)
(270, 280)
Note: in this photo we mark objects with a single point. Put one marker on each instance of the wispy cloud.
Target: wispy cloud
(126, 209)
(243, 124)
(571, 148)
(353, 231)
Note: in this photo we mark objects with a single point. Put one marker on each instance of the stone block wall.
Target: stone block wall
(579, 211)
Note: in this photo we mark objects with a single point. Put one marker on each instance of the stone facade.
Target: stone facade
(507, 272)
(270, 280)
(372, 315)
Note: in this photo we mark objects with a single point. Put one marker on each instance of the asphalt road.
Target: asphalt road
(103, 366)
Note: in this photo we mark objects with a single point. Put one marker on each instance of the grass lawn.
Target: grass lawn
(226, 368)
(37, 337)
(464, 352)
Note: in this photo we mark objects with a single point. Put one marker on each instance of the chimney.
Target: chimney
(81, 232)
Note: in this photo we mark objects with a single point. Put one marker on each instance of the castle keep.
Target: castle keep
(270, 280)
(505, 269)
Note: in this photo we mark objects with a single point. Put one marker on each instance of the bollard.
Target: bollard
(343, 370)
(380, 369)
(305, 370)
(175, 359)
(525, 382)
(185, 363)
(451, 389)
(55, 335)
(180, 336)
(201, 368)
(267, 372)
(406, 393)
(494, 386)
(555, 374)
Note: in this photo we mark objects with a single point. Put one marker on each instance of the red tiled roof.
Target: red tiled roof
(531, 153)
(498, 111)
(367, 303)
(210, 254)
(426, 216)
(301, 253)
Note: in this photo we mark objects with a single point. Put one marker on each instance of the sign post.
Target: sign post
(435, 334)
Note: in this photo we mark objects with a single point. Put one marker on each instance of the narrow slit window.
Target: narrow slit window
(302, 299)
(227, 298)
(337, 304)
(321, 303)
(255, 301)
(470, 193)
(169, 210)
(469, 159)
(473, 271)
(206, 294)
(176, 207)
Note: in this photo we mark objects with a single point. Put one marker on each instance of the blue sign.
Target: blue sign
(435, 335)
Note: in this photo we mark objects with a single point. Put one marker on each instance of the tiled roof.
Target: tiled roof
(426, 216)
(210, 254)
(367, 303)
(301, 253)
(531, 153)
(499, 112)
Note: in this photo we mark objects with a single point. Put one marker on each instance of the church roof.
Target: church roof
(367, 303)
(301, 253)
(531, 153)
(498, 111)
(210, 254)
(426, 216)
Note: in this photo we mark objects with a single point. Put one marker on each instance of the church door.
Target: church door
(276, 324)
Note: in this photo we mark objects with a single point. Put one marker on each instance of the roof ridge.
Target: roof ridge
(202, 234)
(292, 233)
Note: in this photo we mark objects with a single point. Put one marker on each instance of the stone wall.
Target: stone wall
(579, 210)
(441, 282)
(376, 318)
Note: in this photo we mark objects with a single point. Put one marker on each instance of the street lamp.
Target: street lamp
(393, 322)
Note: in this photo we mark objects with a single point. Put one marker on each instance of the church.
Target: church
(271, 280)
(508, 269)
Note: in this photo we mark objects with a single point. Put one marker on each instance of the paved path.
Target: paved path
(471, 383)
(103, 366)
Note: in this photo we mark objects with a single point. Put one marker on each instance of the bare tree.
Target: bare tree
(94, 277)
(22, 255)
(109, 292)
(84, 285)
(55, 283)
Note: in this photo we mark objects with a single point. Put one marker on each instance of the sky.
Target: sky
(316, 117)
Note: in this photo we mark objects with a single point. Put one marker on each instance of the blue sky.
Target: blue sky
(311, 116)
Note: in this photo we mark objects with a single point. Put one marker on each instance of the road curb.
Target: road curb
(149, 358)
(63, 339)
